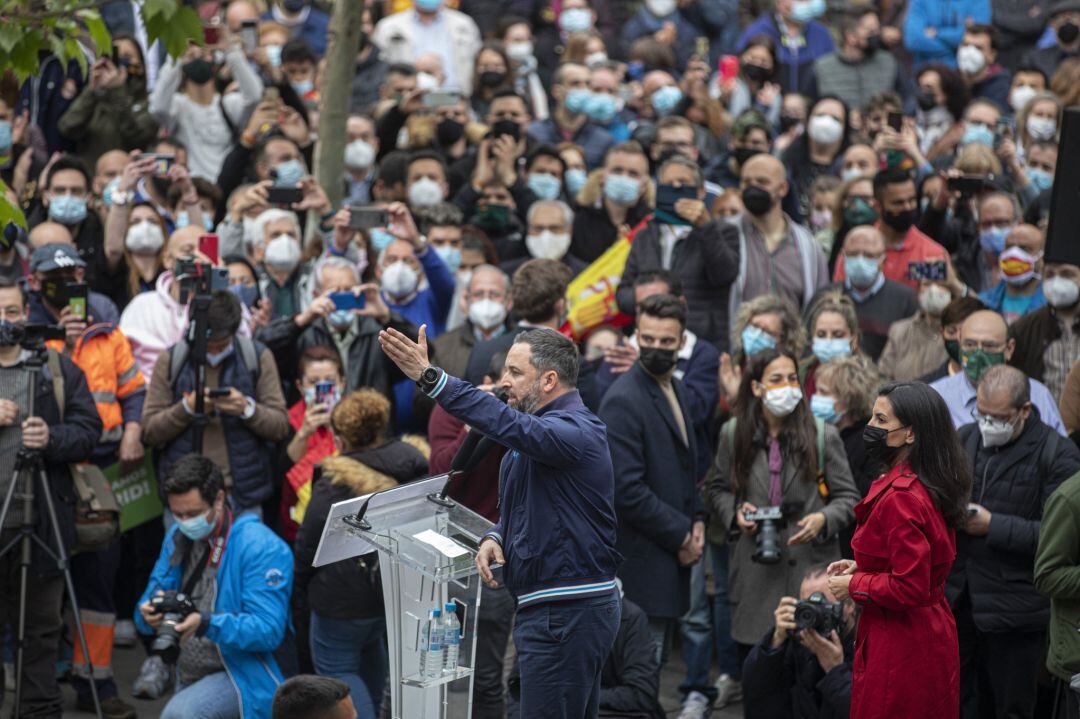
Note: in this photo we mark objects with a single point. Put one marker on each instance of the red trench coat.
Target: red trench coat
(907, 661)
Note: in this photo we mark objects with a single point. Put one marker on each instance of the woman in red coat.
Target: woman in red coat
(907, 662)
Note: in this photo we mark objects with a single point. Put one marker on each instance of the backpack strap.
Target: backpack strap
(57, 379)
(1049, 451)
(178, 355)
(249, 353)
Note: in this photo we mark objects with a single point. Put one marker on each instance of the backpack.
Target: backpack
(97, 511)
(178, 355)
(728, 431)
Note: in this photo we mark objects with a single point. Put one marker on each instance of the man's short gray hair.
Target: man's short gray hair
(568, 214)
(490, 268)
(1003, 378)
(552, 351)
(273, 215)
(338, 262)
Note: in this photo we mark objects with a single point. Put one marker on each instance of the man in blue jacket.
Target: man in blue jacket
(239, 575)
(556, 535)
(800, 40)
(934, 28)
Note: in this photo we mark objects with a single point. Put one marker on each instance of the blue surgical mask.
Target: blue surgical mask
(622, 190)
(67, 210)
(824, 408)
(977, 133)
(428, 5)
(451, 256)
(576, 100)
(249, 295)
(273, 54)
(756, 340)
(861, 271)
(576, 19)
(601, 107)
(666, 99)
(106, 194)
(340, 319)
(575, 180)
(1041, 179)
(196, 528)
(825, 349)
(303, 87)
(5, 134)
(806, 10)
(289, 173)
(380, 239)
(993, 239)
(544, 185)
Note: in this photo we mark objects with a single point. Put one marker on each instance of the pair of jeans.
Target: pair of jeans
(706, 628)
(354, 651)
(40, 691)
(662, 631)
(212, 697)
(561, 649)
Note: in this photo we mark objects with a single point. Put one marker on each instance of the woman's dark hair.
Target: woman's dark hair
(762, 41)
(798, 440)
(956, 90)
(936, 456)
(140, 84)
(497, 47)
(194, 471)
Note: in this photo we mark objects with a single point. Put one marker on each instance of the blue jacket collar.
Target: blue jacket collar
(570, 400)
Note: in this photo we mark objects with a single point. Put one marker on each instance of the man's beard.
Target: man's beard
(530, 401)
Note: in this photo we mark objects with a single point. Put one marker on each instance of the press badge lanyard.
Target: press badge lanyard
(217, 546)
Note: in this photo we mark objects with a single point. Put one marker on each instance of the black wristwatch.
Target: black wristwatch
(428, 379)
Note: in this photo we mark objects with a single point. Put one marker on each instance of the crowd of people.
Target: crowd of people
(756, 221)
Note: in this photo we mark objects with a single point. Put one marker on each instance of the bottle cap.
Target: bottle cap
(436, 612)
(450, 608)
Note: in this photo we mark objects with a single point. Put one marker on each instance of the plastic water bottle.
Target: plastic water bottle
(452, 638)
(432, 668)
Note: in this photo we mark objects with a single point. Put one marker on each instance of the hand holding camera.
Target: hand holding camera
(174, 618)
(784, 617)
(742, 518)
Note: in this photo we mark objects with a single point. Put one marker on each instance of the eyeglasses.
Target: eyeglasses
(980, 417)
(992, 347)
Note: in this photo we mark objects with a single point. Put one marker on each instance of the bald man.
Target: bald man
(985, 343)
(50, 233)
(879, 302)
(776, 255)
(1000, 618)
(107, 168)
(239, 12)
(1020, 265)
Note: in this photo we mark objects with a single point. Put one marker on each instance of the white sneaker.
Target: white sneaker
(124, 636)
(695, 706)
(154, 678)
(728, 691)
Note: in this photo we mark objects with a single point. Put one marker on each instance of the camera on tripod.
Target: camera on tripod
(200, 278)
(769, 520)
(175, 606)
(815, 612)
(29, 336)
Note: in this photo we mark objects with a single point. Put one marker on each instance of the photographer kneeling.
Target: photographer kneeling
(217, 601)
(802, 668)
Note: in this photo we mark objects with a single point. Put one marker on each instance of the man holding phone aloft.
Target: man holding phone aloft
(95, 345)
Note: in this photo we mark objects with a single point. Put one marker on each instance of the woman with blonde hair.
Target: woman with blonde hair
(347, 625)
(833, 327)
(764, 323)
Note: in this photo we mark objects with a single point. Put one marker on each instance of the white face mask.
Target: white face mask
(1061, 291)
(399, 280)
(548, 245)
(282, 253)
(425, 192)
(995, 432)
(782, 401)
(1020, 96)
(825, 129)
(660, 8)
(934, 299)
(144, 238)
(426, 81)
(359, 155)
(487, 313)
(1041, 128)
(595, 59)
(970, 60)
(519, 50)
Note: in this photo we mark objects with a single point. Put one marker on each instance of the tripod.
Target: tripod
(29, 468)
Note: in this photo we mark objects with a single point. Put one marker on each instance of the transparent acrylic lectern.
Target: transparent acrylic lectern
(427, 549)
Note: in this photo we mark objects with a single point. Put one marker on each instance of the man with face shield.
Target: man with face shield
(1000, 618)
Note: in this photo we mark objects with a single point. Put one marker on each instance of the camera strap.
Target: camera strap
(211, 557)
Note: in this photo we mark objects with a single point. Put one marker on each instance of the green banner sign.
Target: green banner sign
(136, 492)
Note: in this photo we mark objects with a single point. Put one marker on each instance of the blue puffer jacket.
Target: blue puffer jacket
(557, 493)
(948, 18)
(251, 611)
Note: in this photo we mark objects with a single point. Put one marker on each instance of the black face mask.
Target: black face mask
(198, 70)
(875, 441)
(756, 73)
(657, 361)
(491, 79)
(926, 100)
(449, 131)
(873, 44)
(756, 200)
(900, 221)
(742, 154)
(1068, 33)
(787, 122)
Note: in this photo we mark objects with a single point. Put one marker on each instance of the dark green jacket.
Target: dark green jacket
(1057, 576)
(108, 119)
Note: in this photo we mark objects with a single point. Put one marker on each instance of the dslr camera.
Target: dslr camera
(769, 520)
(175, 606)
(815, 612)
(29, 336)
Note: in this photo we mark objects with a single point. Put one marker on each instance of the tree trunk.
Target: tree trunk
(341, 51)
